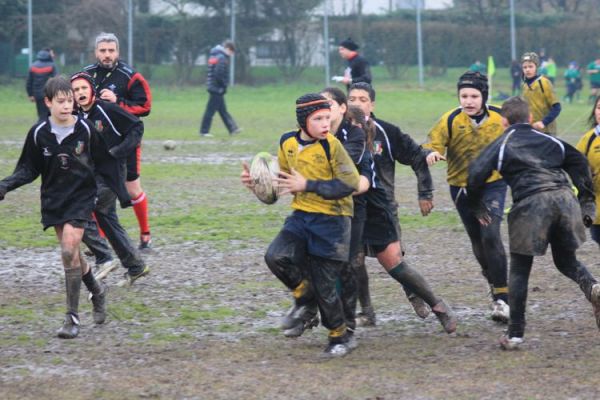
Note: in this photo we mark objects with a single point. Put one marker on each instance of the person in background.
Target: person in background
(358, 69)
(515, 74)
(572, 80)
(42, 69)
(593, 70)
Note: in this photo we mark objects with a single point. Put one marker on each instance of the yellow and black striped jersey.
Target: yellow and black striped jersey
(320, 160)
(541, 97)
(589, 146)
(461, 139)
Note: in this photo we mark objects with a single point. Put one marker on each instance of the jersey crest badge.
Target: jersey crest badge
(47, 153)
(79, 148)
(377, 147)
(98, 125)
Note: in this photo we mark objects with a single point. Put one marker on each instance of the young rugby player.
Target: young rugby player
(121, 133)
(589, 146)
(459, 136)
(545, 210)
(313, 245)
(539, 93)
(381, 235)
(60, 149)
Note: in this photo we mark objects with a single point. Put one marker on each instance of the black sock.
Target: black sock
(73, 286)
(414, 282)
(91, 283)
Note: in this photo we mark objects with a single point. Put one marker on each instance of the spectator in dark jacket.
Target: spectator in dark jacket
(358, 69)
(216, 85)
(42, 69)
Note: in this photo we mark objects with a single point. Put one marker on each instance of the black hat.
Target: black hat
(475, 80)
(307, 105)
(87, 77)
(349, 44)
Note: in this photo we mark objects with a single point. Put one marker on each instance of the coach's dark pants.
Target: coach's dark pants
(106, 214)
(216, 103)
(42, 110)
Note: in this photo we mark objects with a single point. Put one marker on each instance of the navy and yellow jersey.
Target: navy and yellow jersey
(330, 173)
(461, 139)
(540, 96)
(589, 146)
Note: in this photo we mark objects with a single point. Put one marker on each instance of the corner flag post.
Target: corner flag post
(491, 69)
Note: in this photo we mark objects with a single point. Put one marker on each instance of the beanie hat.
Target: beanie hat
(349, 44)
(87, 77)
(475, 80)
(307, 105)
(531, 57)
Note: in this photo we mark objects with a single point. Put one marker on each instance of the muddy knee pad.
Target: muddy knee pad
(286, 258)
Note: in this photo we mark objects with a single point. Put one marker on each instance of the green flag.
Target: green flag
(491, 67)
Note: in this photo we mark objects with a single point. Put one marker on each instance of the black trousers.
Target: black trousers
(216, 103)
(106, 214)
(289, 261)
(42, 110)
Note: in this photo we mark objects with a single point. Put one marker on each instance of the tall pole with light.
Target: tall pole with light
(513, 41)
(419, 43)
(326, 40)
(232, 34)
(130, 32)
(30, 29)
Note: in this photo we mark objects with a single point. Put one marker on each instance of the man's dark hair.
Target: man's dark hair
(515, 110)
(56, 85)
(363, 86)
(228, 44)
(336, 94)
(592, 118)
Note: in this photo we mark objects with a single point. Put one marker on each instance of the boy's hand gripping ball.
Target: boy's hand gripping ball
(263, 169)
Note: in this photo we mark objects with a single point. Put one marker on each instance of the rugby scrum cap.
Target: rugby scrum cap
(87, 77)
(349, 44)
(307, 105)
(531, 57)
(475, 80)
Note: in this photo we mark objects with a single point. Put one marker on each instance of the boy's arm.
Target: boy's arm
(27, 170)
(345, 176)
(578, 168)
(480, 170)
(128, 125)
(406, 151)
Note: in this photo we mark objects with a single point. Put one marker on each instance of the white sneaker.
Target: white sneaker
(512, 343)
(500, 311)
(102, 270)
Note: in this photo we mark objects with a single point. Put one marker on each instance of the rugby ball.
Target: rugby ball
(169, 144)
(263, 168)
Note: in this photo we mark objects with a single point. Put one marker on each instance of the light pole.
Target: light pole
(513, 46)
(30, 30)
(419, 43)
(130, 32)
(232, 33)
(326, 40)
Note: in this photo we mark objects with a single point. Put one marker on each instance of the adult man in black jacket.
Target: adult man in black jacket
(120, 133)
(545, 210)
(358, 69)
(40, 71)
(217, 80)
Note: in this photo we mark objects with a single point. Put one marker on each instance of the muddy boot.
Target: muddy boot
(340, 346)
(366, 317)
(418, 304)
(70, 328)
(446, 316)
(299, 319)
(510, 343)
(99, 305)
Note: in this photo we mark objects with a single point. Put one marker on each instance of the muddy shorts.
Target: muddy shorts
(326, 236)
(547, 217)
(381, 228)
(75, 223)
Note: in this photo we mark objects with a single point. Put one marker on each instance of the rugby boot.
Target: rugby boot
(145, 242)
(102, 270)
(99, 305)
(595, 299)
(339, 347)
(418, 304)
(446, 316)
(366, 317)
(510, 343)
(500, 311)
(70, 328)
(129, 279)
(298, 319)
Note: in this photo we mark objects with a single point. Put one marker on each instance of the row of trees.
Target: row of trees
(469, 30)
